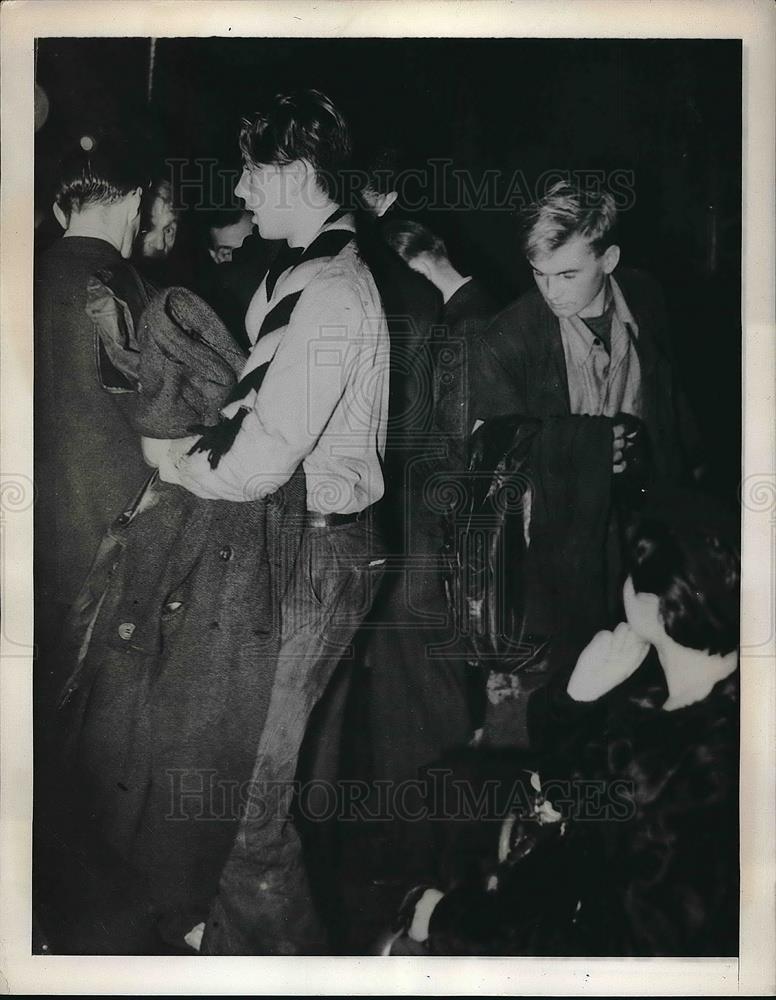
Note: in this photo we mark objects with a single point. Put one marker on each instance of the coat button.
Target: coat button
(126, 629)
(226, 553)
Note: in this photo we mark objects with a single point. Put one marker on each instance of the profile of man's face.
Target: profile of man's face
(224, 240)
(269, 193)
(159, 239)
(571, 277)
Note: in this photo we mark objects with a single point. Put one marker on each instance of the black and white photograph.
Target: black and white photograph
(390, 441)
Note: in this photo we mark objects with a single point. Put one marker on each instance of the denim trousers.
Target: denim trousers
(265, 904)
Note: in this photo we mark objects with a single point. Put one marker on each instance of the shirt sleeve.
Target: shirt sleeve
(306, 380)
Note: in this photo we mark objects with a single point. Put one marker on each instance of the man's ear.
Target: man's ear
(301, 172)
(60, 216)
(611, 258)
(212, 254)
(133, 203)
(384, 202)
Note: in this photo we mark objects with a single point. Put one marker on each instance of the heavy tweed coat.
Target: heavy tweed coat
(168, 701)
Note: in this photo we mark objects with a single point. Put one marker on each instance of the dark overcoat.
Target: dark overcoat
(518, 366)
(88, 462)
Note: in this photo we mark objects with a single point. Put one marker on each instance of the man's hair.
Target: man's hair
(303, 125)
(218, 218)
(411, 239)
(567, 211)
(692, 563)
(102, 176)
(379, 168)
(222, 217)
(159, 190)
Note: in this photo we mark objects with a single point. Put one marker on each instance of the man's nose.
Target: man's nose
(553, 286)
(241, 191)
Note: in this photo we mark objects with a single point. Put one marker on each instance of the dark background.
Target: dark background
(667, 111)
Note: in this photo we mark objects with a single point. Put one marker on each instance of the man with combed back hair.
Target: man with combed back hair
(467, 309)
(88, 461)
(419, 686)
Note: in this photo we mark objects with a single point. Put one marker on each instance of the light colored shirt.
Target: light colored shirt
(603, 382)
(323, 401)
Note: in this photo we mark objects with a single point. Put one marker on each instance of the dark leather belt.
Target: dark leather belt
(315, 520)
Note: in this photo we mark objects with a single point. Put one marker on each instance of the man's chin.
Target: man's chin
(558, 311)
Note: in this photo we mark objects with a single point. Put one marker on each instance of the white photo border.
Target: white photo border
(753, 21)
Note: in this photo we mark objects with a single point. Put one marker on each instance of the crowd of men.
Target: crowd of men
(367, 363)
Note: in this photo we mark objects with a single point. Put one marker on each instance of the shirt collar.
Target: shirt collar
(457, 288)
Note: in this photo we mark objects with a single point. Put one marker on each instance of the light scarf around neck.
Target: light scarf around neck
(603, 384)
(272, 315)
(293, 268)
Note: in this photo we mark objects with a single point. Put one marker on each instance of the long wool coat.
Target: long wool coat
(165, 710)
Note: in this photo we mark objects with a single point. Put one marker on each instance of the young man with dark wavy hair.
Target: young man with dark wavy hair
(313, 397)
